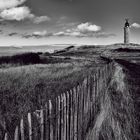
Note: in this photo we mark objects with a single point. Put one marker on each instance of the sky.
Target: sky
(42, 22)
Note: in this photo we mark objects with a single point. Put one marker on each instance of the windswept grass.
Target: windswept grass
(119, 117)
(26, 88)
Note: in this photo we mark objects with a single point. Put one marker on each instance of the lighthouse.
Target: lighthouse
(126, 32)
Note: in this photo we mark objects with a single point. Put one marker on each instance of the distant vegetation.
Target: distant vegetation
(29, 58)
(25, 58)
(127, 50)
(65, 50)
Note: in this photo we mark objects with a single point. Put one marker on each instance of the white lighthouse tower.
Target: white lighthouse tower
(126, 32)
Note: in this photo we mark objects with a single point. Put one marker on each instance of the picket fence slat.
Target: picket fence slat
(42, 124)
(68, 116)
(6, 136)
(30, 125)
(56, 119)
(22, 129)
(51, 121)
(79, 112)
(59, 118)
(71, 115)
(46, 121)
(16, 136)
(65, 116)
(75, 113)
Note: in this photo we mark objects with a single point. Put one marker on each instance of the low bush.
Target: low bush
(25, 58)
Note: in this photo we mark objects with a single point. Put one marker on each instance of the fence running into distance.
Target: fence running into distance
(70, 115)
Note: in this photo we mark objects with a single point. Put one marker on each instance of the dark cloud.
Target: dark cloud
(37, 34)
(13, 34)
(26, 36)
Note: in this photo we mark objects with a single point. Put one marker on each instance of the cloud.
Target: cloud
(85, 30)
(37, 34)
(88, 27)
(67, 33)
(10, 10)
(135, 25)
(41, 34)
(81, 30)
(79, 34)
(6, 4)
(22, 13)
(41, 19)
(17, 13)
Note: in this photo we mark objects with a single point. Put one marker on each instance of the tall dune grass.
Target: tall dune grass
(117, 119)
(26, 88)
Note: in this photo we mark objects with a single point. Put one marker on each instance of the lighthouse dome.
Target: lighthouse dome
(127, 23)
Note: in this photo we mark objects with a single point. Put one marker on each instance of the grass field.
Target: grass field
(26, 88)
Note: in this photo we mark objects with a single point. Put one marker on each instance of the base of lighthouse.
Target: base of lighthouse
(126, 35)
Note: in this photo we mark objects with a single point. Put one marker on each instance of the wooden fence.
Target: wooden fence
(70, 115)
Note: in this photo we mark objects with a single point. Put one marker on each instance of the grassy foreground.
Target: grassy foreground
(25, 88)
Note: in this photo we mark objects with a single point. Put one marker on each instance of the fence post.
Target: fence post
(79, 112)
(71, 115)
(88, 100)
(22, 129)
(75, 113)
(68, 115)
(30, 126)
(51, 120)
(6, 136)
(59, 117)
(42, 124)
(95, 93)
(56, 119)
(62, 117)
(85, 120)
(46, 120)
(97, 83)
(16, 136)
(65, 116)
(82, 114)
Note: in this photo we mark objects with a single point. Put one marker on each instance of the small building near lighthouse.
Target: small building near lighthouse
(126, 32)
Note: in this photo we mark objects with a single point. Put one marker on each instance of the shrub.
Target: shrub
(25, 58)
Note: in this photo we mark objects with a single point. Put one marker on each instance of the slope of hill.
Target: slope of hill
(22, 86)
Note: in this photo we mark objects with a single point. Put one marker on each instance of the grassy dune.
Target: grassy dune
(26, 88)
(119, 117)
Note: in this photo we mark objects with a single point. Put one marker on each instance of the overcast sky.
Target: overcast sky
(33, 22)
